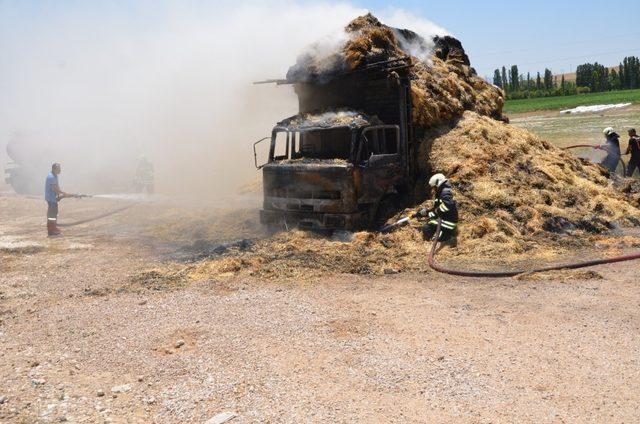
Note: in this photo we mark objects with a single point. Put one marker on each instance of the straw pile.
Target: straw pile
(517, 192)
(520, 198)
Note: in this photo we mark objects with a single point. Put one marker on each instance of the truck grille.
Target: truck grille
(301, 194)
(297, 207)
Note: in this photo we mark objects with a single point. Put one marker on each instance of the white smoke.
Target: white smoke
(401, 19)
(100, 83)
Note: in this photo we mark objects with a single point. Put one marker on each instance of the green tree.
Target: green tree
(538, 82)
(614, 80)
(584, 75)
(594, 76)
(626, 82)
(497, 78)
(631, 69)
(562, 85)
(505, 87)
(629, 73)
(514, 78)
(548, 80)
(621, 75)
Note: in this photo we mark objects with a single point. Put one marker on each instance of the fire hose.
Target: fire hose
(94, 218)
(576, 146)
(499, 274)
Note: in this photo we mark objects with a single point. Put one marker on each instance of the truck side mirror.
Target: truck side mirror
(255, 153)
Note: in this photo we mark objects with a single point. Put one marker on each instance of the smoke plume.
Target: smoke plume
(97, 85)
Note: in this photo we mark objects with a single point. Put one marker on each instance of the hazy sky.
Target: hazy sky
(171, 79)
(556, 34)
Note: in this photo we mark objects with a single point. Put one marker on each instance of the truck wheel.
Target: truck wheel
(20, 184)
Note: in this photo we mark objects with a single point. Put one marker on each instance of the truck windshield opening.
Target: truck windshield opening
(324, 143)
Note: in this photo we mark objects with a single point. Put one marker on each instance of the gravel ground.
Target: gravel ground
(80, 342)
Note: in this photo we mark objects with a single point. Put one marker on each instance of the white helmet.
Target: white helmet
(608, 131)
(437, 180)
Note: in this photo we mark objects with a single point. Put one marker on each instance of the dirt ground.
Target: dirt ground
(580, 128)
(88, 336)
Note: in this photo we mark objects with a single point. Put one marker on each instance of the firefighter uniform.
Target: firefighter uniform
(633, 149)
(445, 207)
(612, 147)
(144, 177)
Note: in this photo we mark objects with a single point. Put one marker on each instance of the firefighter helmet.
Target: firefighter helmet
(437, 180)
(608, 131)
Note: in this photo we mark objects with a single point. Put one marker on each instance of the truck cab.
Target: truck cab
(346, 158)
(329, 174)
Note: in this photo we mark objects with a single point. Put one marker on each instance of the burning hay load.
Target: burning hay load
(519, 196)
(444, 84)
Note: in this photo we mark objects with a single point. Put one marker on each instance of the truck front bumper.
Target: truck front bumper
(313, 221)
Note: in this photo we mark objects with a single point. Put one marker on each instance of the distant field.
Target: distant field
(568, 102)
(581, 128)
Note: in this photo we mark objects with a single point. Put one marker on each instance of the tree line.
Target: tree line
(590, 78)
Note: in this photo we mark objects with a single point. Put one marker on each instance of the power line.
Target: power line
(580, 57)
(495, 53)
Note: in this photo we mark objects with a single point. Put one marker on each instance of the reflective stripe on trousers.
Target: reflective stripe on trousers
(445, 224)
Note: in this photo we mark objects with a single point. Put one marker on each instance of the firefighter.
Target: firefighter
(634, 149)
(143, 180)
(612, 147)
(444, 207)
(53, 194)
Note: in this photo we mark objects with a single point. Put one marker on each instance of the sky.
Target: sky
(546, 33)
(534, 35)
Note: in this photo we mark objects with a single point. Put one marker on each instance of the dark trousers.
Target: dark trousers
(634, 163)
(52, 210)
(429, 230)
(611, 162)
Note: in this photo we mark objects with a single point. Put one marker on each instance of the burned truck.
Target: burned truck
(348, 159)
(24, 170)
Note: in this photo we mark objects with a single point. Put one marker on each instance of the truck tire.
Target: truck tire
(21, 184)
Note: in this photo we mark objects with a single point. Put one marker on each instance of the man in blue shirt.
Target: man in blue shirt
(52, 194)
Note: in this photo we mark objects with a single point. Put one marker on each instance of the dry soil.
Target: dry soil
(87, 334)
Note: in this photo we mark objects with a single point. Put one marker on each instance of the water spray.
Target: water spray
(576, 146)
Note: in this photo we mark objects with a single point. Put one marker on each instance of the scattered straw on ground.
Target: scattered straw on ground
(561, 275)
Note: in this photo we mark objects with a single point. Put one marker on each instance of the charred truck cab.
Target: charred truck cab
(348, 157)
